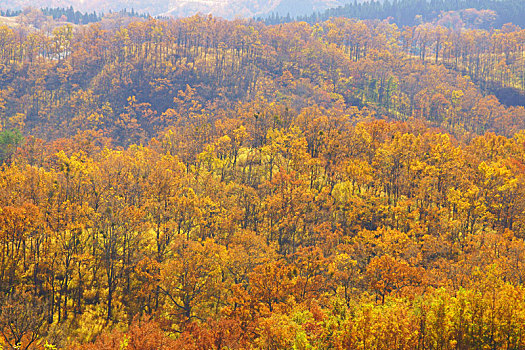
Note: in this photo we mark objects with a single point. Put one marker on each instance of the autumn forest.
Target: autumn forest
(200, 183)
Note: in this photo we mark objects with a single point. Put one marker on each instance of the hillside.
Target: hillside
(182, 8)
(200, 183)
(479, 14)
(222, 8)
(8, 21)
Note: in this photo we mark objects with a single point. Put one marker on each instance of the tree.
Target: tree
(22, 320)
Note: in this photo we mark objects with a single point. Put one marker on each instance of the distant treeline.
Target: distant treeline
(10, 13)
(73, 16)
(412, 12)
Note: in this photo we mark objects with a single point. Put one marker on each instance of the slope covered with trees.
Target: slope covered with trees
(210, 184)
(478, 13)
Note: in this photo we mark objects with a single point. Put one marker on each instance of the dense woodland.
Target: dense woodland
(210, 184)
(414, 12)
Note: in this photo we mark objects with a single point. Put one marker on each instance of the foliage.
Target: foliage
(205, 184)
